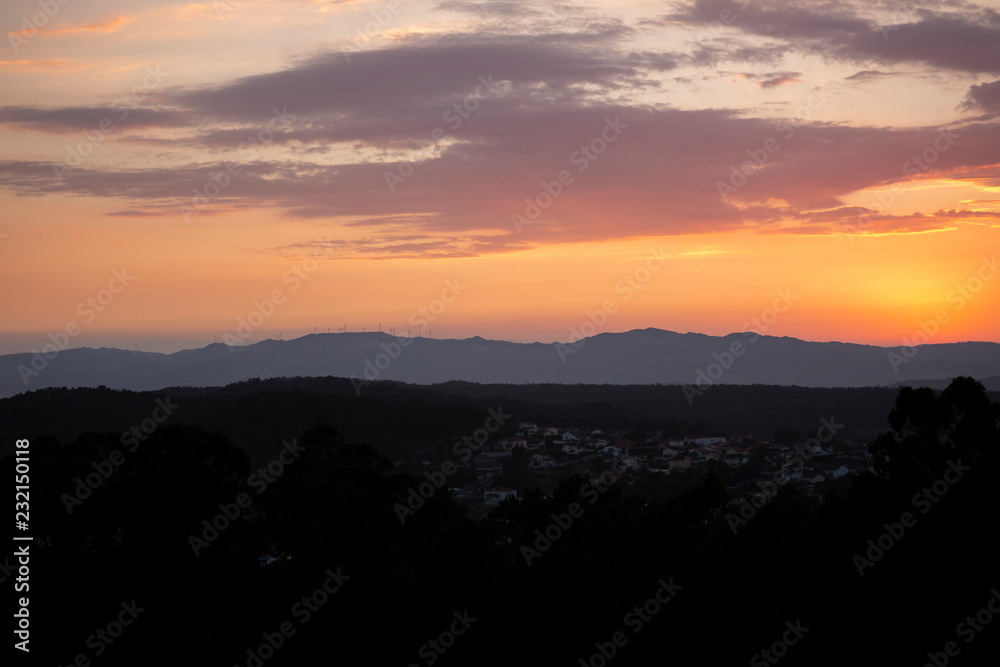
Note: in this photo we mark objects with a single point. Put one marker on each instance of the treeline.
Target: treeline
(303, 559)
(401, 419)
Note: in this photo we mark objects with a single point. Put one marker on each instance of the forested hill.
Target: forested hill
(394, 417)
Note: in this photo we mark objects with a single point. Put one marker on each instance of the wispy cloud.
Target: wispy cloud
(38, 65)
(111, 25)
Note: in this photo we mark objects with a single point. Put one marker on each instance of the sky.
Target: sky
(172, 172)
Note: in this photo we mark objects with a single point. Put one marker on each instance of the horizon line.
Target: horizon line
(247, 341)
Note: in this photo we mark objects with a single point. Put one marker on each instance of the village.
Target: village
(542, 455)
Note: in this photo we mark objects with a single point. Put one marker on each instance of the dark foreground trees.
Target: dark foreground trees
(234, 565)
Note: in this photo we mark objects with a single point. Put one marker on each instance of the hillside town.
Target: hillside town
(542, 455)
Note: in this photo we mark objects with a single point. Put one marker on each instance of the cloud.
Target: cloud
(659, 177)
(106, 27)
(857, 220)
(37, 65)
(135, 213)
(782, 80)
(509, 9)
(391, 97)
(429, 76)
(867, 75)
(415, 247)
(67, 29)
(984, 96)
(964, 38)
(771, 79)
(73, 119)
(494, 120)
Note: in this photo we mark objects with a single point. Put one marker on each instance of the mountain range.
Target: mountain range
(641, 356)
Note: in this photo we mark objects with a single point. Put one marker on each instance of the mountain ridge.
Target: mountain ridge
(638, 356)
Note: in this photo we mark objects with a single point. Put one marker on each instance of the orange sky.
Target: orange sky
(862, 125)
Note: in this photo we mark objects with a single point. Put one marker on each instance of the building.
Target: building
(497, 494)
(508, 444)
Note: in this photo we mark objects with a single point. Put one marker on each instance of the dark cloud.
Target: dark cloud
(984, 96)
(497, 118)
(391, 99)
(426, 77)
(771, 79)
(659, 176)
(780, 81)
(75, 119)
(966, 38)
(509, 9)
(867, 75)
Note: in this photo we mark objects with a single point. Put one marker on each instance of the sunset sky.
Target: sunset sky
(358, 157)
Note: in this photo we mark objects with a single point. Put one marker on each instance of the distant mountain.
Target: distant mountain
(647, 356)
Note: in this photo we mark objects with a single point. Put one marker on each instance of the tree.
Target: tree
(929, 429)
